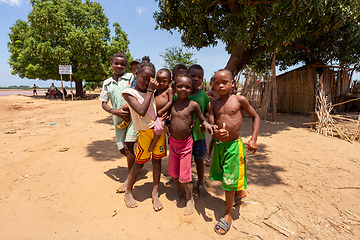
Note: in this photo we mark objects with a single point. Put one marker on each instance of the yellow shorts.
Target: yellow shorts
(144, 140)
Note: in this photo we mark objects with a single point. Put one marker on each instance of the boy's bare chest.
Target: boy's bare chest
(162, 99)
(181, 112)
(231, 107)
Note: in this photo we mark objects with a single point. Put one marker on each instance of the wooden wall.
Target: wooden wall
(296, 91)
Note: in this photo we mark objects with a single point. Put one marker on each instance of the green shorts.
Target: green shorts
(127, 134)
(229, 165)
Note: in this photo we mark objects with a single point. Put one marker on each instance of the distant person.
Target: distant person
(134, 64)
(145, 59)
(52, 87)
(58, 93)
(84, 92)
(112, 91)
(34, 90)
(65, 92)
(181, 141)
(52, 90)
(47, 93)
(229, 162)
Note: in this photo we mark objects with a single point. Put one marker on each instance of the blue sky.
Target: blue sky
(135, 18)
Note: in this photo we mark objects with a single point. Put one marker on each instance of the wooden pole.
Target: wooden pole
(62, 87)
(274, 94)
(72, 95)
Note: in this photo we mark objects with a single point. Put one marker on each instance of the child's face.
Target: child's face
(183, 87)
(223, 83)
(178, 72)
(134, 67)
(143, 78)
(118, 65)
(197, 76)
(163, 79)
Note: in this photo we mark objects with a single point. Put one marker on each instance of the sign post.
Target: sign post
(65, 69)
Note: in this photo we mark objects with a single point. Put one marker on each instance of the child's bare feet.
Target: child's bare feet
(239, 195)
(202, 191)
(122, 188)
(189, 207)
(207, 161)
(129, 200)
(179, 194)
(157, 205)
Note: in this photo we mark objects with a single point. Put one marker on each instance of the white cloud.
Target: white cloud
(140, 10)
(12, 2)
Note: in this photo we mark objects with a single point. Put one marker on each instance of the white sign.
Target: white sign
(65, 69)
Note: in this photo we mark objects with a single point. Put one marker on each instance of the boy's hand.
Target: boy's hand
(165, 116)
(223, 133)
(121, 113)
(153, 84)
(210, 128)
(251, 146)
(202, 128)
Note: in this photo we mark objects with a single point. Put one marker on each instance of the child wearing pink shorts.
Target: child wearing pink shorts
(180, 145)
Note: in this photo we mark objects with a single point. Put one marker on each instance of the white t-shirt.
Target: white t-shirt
(148, 121)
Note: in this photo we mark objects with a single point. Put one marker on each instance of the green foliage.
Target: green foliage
(92, 85)
(298, 30)
(64, 32)
(177, 55)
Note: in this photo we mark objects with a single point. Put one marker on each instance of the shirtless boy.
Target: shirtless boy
(163, 100)
(228, 161)
(212, 96)
(181, 141)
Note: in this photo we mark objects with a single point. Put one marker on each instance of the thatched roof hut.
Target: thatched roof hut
(296, 89)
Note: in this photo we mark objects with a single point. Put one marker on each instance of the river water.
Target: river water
(5, 93)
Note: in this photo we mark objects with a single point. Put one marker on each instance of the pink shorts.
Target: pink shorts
(180, 159)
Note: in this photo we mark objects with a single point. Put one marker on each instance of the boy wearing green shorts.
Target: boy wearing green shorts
(228, 162)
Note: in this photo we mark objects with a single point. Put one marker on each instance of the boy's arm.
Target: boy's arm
(167, 106)
(244, 103)
(221, 133)
(141, 109)
(119, 112)
(200, 116)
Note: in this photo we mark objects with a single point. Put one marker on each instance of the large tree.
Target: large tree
(175, 55)
(64, 32)
(298, 30)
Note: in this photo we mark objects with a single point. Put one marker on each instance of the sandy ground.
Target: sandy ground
(60, 168)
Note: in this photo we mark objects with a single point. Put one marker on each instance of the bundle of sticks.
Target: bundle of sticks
(328, 126)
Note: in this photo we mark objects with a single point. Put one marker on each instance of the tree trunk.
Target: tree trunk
(79, 88)
(240, 57)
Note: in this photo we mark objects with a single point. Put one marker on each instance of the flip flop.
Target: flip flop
(222, 224)
(237, 200)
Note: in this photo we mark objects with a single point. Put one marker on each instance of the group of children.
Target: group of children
(151, 103)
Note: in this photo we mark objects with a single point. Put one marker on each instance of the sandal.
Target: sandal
(222, 224)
